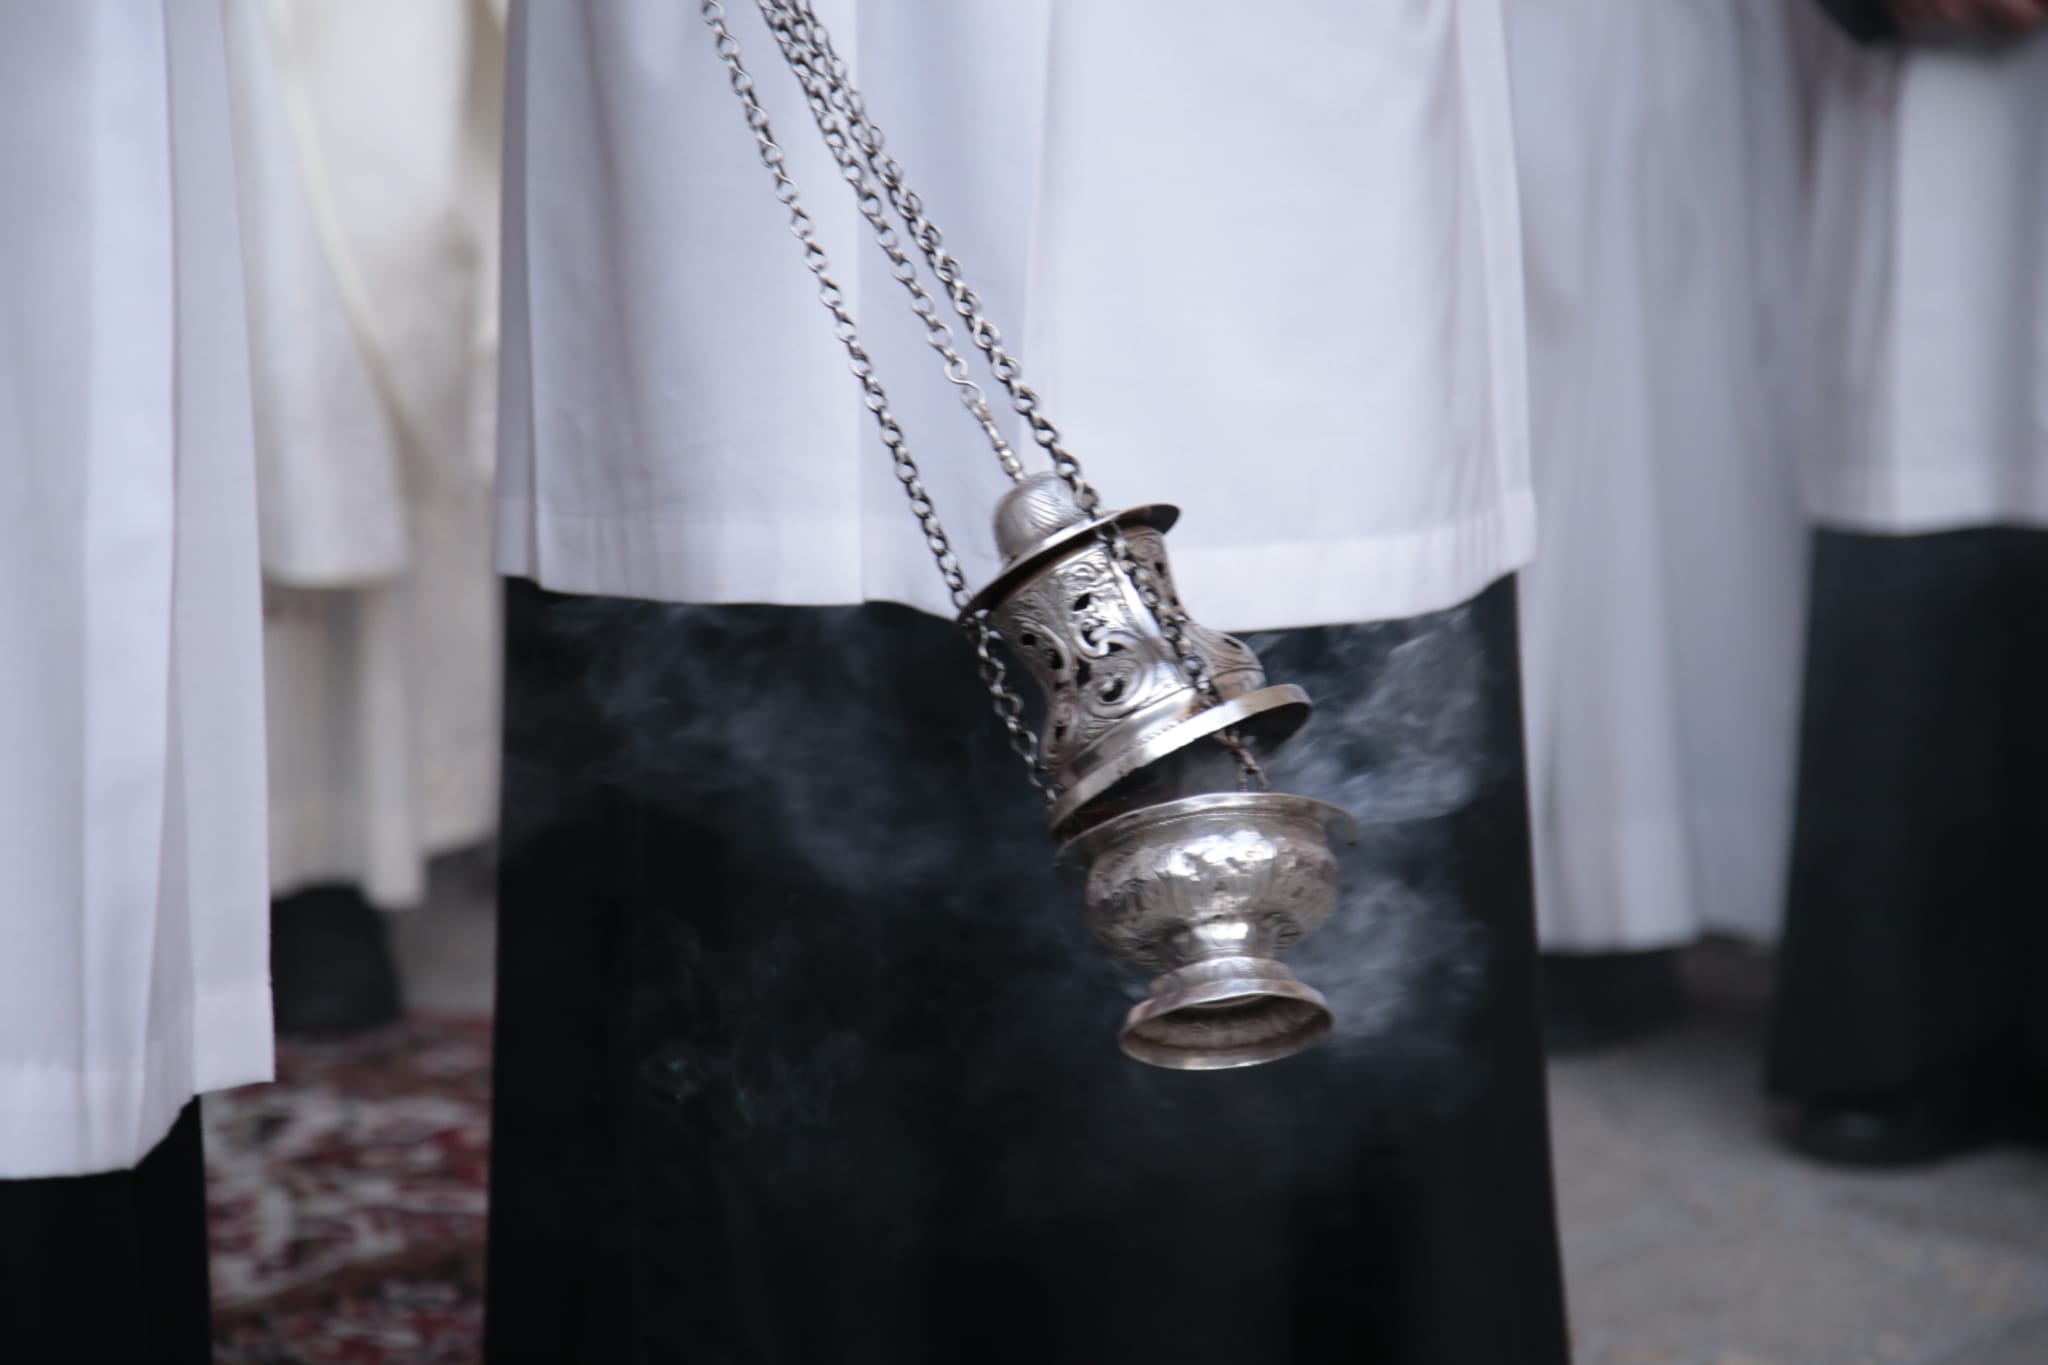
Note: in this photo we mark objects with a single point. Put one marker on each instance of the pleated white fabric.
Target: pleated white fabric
(1261, 262)
(133, 892)
(1930, 277)
(369, 138)
(1662, 152)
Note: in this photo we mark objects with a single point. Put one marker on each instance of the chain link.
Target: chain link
(840, 112)
(1009, 706)
(797, 26)
(1173, 621)
(818, 89)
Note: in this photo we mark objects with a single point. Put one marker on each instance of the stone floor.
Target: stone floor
(1689, 1237)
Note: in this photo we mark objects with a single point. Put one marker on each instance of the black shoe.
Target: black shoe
(331, 969)
(1600, 1000)
(1926, 1124)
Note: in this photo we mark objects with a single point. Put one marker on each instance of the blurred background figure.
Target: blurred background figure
(131, 791)
(368, 136)
(1913, 1010)
(1661, 149)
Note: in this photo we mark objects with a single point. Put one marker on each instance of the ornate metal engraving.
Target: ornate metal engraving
(1209, 890)
(1110, 676)
(1089, 640)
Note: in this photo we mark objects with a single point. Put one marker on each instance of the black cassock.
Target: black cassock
(1915, 957)
(110, 1267)
(805, 1057)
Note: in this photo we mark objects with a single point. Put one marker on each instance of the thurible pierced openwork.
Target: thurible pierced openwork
(1190, 867)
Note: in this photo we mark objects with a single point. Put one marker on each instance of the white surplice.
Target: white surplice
(370, 148)
(1930, 285)
(1261, 262)
(1662, 158)
(133, 894)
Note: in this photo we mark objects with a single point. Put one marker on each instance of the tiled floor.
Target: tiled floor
(1690, 1238)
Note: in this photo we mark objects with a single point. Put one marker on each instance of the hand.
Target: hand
(1959, 17)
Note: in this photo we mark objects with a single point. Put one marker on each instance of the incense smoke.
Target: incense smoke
(1400, 740)
(881, 941)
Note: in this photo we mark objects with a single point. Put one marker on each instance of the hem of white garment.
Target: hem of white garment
(1652, 939)
(1296, 584)
(807, 564)
(1649, 892)
(1891, 505)
(1239, 587)
(58, 1120)
(307, 851)
(1640, 867)
(1633, 941)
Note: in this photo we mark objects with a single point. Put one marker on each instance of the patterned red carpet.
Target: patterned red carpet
(348, 1201)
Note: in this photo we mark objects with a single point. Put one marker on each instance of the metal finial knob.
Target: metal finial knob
(1032, 512)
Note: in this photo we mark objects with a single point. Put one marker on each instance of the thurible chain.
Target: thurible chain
(807, 47)
(1009, 707)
